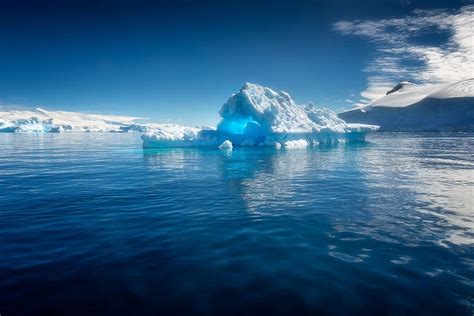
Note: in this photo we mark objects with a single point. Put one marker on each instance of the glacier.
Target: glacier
(412, 107)
(258, 115)
(40, 120)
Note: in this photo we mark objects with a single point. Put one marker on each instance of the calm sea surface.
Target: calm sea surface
(94, 224)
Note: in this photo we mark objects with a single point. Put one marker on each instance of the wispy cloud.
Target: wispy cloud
(399, 55)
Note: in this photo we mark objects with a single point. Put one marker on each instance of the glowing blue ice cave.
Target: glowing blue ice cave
(238, 126)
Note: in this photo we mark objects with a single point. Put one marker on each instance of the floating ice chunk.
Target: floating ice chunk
(258, 115)
(226, 145)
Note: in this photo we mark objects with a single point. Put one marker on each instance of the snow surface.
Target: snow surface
(258, 115)
(461, 89)
(406, 93)
(173, 135)
(405, 96)
(42, 121)
(410, 107)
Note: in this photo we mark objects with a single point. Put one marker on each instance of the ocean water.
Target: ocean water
(94, 224)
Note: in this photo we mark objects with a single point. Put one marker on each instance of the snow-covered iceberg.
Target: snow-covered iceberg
(42, 121)
(412, 107)
(258, 115)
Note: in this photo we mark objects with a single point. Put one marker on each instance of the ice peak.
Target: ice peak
(258, 94)
(252, 86)
(254, 91)
(249, 85)
(258, 105)
(399, 86)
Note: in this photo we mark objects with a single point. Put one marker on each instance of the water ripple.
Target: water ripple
(94, 224)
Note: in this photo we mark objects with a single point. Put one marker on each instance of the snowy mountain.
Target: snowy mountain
(410, 107)
(258, 115)
(42, 121)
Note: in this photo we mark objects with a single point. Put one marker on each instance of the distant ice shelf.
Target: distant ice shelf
(42, 121)
(258, 115)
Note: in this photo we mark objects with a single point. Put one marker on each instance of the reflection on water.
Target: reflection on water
(95, 224)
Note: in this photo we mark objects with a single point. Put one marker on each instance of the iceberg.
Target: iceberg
(411, 107)
(258, 115)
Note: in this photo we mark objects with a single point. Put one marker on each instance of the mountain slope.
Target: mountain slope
(421, 108)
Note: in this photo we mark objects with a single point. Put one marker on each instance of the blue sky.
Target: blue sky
(180, 60)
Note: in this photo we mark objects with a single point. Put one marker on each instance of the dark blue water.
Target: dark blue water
(94, 224)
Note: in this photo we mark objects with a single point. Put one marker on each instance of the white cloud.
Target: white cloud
(398, 56)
